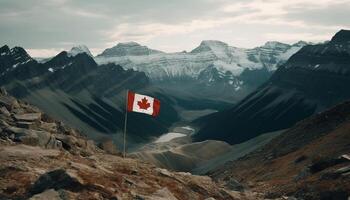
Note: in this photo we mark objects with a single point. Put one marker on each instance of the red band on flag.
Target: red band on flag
(156, 107)
(130, 102)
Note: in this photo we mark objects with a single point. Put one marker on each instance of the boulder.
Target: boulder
(335, 174)
(68, 142)
(343, 170)
(29, 138)
(3, 91)
(234, 185)
(162, 194)
(57, 179)
(76, 145)
(109, 147)
(3, 123)
(345, 156)
(48, 194)
(30, 117)
(9, 102)
(302, 174)
(325, 163)
(4, 111)
(35, 138)
(27, 125)
(53, 143)
(51, 127)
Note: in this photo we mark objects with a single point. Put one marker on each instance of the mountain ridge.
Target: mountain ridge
(308, 161)
(313, 79)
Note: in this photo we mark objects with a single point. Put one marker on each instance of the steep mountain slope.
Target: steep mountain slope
(11, 59)
(309, 161)
(184, 157)
(41, 158)
(86, 96)
(213, 67)
(79, 49)
(159, 65)
(91, 97)
(314, 78)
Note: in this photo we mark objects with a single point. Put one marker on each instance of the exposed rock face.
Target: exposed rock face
(109, 147)
(23, 123)
(213, 69)
(312, 80)
(50, 161)
(308, 161)
(28, 117)
(48, 194)
(128, 49)
(72, 87)
(57, 179)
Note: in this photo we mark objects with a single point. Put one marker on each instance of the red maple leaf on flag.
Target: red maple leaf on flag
(143, 104)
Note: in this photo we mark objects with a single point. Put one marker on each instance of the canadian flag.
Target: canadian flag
(143, 104)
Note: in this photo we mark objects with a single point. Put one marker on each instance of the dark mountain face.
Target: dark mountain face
(214, 70)
(81, 93)
(308, 161)
(11, 59)
(314, 78)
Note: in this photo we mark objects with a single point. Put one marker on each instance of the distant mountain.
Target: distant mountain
(128, 49)
(309, 161)
(79, 49)
(313, 79)
(15, 63)
(91, 98)
(213, 66)
(158, 65)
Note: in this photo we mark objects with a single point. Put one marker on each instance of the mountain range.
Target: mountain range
(88, 92)
(74, 89)
(270, 122)
(308, 161)
(213, 69)
(313, 79)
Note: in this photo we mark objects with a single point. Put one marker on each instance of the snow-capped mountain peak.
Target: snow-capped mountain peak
(301, 43)
(210, 45)
(12, 59)
(221, 56)
(275, 44)
(79, 49)
(128, 44)
(129, 49)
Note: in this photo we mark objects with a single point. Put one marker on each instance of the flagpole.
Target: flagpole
(125, 122)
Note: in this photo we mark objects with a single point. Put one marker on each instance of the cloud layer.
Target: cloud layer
(47, 27)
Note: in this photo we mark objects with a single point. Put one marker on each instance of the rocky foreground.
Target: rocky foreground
(41, 158)
(309, 161)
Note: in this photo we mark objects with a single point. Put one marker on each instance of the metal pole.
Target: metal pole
(125, 121)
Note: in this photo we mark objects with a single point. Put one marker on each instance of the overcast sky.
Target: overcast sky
(47, 27)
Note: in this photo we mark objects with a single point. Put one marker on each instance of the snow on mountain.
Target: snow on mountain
(313, 79)
(12, 58)
(128, 49)
(79, 49)
(162, 66)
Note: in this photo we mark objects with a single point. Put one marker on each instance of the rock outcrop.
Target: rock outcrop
(308, 161)
(26, 124)
(41, 158)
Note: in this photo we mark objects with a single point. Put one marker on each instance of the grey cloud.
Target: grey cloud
(61, 23)
(44, 24)
(337, 14)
